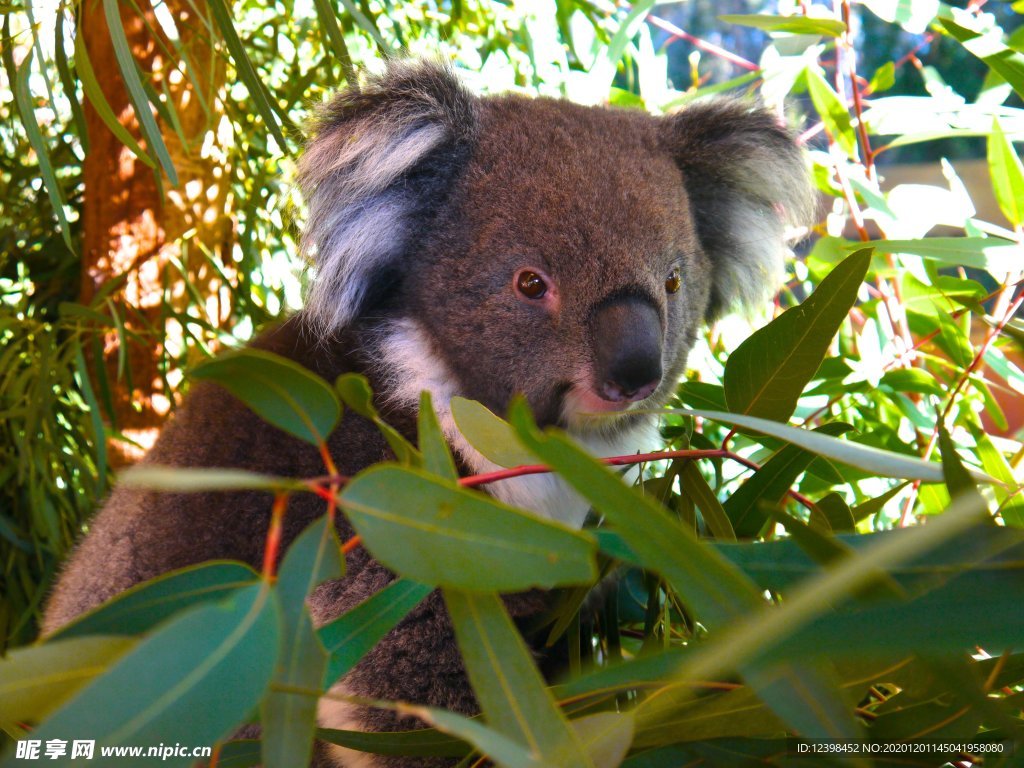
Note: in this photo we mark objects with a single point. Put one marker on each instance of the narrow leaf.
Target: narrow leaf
(799, 25)
(502, 750)
(833, 112)
(507, 684)
(868, 458)
(246, 72)
(694, 485)
(351, 636)
(329, 23)
(425, 742)
(136, 92)
(289, 719)
(1007, 174)
(437, 459)
(199, 479)
(23, 97)
(765, 376)
(749, 507)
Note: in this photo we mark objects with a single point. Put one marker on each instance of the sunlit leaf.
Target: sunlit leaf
(1007, 175)
(765, 376)
(800, 25)
(490, 435)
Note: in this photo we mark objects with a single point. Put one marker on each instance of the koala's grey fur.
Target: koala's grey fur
(424, 201)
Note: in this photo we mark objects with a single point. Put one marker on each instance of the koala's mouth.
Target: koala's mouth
(583, 409)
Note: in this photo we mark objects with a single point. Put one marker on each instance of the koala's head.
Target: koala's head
(508, 245)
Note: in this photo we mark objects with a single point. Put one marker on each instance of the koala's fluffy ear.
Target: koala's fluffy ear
(380, 162)
(746, 180)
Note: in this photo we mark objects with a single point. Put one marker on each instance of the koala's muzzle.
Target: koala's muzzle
(627, 339)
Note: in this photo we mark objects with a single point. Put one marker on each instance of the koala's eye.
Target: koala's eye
(673, 281)
(531, 285)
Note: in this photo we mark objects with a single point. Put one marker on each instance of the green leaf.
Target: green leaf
(289, 719)
(884, 78)
(799, 25)
(991, 254)
(826, 550)
(507, 684)
(808, 698)
(200, 479)
(182, 684)
(438, 533)
(958, 480)
(67, 82)
(693, 484)
(1006, 62)
(835, 513)
(1007, 174)
(38, 678)
(765, 376)
(239, 753)
(368, 26)
(504, 751)
(23, 97)
(437, 459)
(329, 23)
(425, 742)
(993, 462)
(866, 457)
(246, 72)
(977, 610)
(351, 636)
(749, 507)
(627, 30)
(606, 737)
(354, 390)
(754, 638)
(781, 565)
(136, 92)
(143, 606)
(833, 112)
(490, 435)
(278, 390)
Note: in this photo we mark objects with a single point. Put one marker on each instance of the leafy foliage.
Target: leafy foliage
(771, 579)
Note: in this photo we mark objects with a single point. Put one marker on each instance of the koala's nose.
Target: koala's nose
(627, 349)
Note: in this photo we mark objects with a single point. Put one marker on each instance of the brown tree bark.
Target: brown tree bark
(130, 227)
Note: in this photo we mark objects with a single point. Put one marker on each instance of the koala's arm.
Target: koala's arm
(140, 534)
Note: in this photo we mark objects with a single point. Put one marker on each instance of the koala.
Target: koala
(485, 247)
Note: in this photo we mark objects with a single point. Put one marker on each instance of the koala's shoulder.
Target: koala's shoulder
(212, 428)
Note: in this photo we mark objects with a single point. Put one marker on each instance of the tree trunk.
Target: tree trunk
(131, 229)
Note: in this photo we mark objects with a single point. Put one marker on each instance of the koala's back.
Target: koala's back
(140, 534)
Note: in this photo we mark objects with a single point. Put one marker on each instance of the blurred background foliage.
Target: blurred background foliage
(148, 216)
